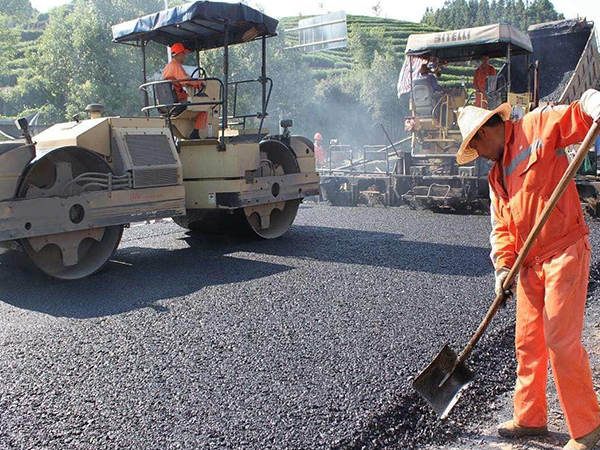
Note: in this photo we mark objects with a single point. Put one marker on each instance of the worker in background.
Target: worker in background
(479, 81)
(436, 66)
(426, 77)
(552, 287)
(319, 150)
(174, 71)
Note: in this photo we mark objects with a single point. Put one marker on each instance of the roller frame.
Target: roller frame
(260, 193)
(102, 209)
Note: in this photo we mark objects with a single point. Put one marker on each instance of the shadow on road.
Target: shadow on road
(135, 278)
(138, 277)
(370, 248)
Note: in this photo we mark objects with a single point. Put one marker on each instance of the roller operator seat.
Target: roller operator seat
(423, 98)
(164, 94)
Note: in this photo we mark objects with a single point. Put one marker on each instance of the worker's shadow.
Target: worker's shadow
(553, 440)
(139, 277)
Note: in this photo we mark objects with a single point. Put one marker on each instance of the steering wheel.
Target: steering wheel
(202, 73)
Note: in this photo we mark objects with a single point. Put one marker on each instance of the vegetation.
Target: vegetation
(57, 63)
(469, 13)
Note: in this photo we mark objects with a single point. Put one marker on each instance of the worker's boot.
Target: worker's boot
(195, 134)
(586, 442)
(513, 429)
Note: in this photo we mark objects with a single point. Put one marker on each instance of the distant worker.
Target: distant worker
(174, 71)
(319, 150)
(426, 77)
(436, 66)
(552, 287)
(479, 81)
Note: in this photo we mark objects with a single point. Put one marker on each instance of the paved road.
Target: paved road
(307, 342)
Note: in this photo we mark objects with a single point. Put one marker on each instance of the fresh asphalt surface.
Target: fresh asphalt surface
(306, 342)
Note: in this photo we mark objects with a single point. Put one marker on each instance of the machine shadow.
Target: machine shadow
(135, 278)
(139, 277)
(360, 247)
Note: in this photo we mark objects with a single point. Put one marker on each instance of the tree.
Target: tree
(460, 14)
(78, 64)
(483, 13)
(378, 89)
(365, 42)
(376, 8)
(19, 11)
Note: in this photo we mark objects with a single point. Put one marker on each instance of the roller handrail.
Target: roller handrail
(144, 87)
(257, 115)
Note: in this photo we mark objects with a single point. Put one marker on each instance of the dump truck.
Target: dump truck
(66, 198)
(554, 62)
(569, 64)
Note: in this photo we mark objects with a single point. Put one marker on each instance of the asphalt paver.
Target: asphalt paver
(310, 341)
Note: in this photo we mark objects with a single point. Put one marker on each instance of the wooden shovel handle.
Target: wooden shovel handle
(589, 140)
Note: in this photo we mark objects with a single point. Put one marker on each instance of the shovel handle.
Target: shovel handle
(560, 189)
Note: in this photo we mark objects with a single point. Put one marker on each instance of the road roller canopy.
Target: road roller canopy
(198, 25)
(470, 43)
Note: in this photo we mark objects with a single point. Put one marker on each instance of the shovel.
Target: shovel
(442, 381)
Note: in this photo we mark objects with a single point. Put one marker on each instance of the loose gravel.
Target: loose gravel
(307, 342)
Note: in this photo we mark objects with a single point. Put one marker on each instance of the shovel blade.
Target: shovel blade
(442, 381)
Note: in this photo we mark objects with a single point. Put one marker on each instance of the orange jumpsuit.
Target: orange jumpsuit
(175, 71)
(552, 287)
(479, 80)
(319, 153)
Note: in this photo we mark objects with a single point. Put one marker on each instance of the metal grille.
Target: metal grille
(154, 177)
(117, 157)
(149, 149)
(153, 160)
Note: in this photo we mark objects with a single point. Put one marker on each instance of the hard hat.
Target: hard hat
(178, 48)
(318, 136)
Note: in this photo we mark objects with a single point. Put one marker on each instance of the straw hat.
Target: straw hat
(470, 120)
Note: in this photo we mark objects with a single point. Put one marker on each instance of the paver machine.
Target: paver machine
(435, 177)
(424, 172)
(65, 198)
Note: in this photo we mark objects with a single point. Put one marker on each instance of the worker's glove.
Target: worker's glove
(501, 275)
(590, 103)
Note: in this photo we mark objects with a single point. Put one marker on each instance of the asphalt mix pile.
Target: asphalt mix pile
(558, 46)
(310, 341)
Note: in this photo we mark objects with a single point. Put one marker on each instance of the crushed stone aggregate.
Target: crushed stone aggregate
(310, 341)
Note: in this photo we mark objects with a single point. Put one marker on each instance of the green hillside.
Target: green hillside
(335, 62)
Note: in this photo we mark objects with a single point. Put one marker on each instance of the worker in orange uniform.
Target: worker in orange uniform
(552, 287)
(319, 150)
(174, 71)
(479, 80)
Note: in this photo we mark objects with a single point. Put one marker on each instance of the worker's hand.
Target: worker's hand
(501, 275)
(200, 88)
(590, 103)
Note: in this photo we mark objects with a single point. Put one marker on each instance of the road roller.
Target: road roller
(67, 193)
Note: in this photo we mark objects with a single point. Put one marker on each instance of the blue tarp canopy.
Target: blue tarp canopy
(198, 25)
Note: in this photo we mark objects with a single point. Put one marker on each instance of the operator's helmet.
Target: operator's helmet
(318, 137)
(179, 48)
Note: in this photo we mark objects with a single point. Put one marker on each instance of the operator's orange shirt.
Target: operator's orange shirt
(175, 71)
(481, 74)
(319, 153)
(521, 184)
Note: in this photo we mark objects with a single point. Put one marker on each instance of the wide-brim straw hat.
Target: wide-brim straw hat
(470, 120)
